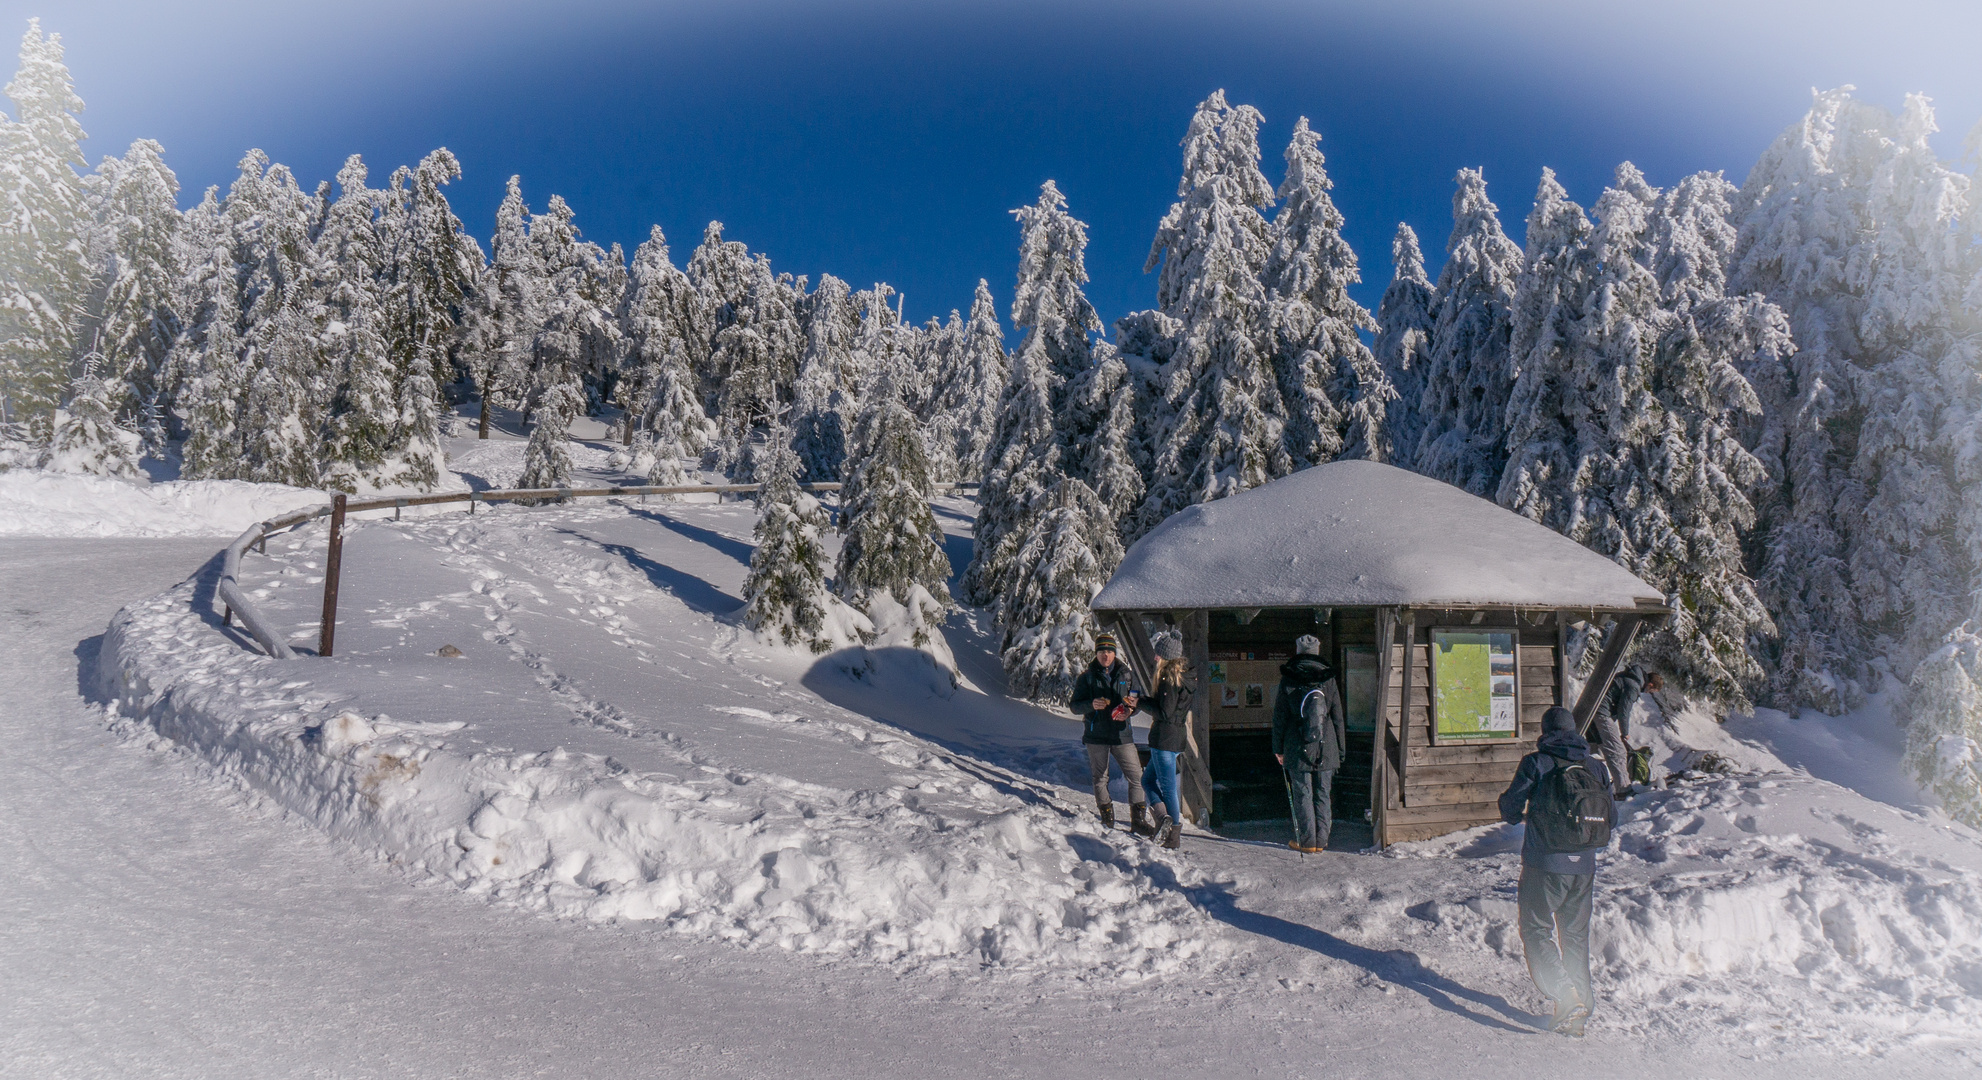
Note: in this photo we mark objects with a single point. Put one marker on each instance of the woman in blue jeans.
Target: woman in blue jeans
(1169, 706)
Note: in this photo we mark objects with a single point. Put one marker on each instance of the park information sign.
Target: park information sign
(1474, 695)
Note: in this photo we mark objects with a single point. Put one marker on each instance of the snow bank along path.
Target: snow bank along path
(939, 857)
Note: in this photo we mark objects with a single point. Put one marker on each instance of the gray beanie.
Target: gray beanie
(1169, 647)
(1307, 643)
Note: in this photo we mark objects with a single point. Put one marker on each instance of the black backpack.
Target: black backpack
(1571, 807)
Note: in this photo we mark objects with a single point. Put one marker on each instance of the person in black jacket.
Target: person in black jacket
(1557, 887)
(1310, 764)
(1106, 696)
(1613, 721)
(1168, 704)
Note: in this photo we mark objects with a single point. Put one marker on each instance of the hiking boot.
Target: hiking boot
(1107, 815)
(1139, 822)
(1572, 1021)
(1173, 834)
(1305, 849)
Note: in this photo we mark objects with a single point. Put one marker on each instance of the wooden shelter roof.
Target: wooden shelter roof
(1364, 534)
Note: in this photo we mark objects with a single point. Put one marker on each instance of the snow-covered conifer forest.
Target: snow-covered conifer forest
(1765, 398)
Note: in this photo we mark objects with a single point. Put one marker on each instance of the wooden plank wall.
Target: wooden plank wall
(1447, 788)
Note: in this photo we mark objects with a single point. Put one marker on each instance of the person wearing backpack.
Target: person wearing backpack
(1562, 793)
(1106, 695)
(1309, 735)
(1168, 705)
(1614, 721)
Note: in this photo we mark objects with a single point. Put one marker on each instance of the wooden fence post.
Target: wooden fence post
(330, 566)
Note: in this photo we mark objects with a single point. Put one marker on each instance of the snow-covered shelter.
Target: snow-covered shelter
(1373, 560)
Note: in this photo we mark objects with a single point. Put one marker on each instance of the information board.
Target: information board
(1243, 682)
(1475, 685)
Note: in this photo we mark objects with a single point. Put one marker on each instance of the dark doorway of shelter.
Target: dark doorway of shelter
(1246, 651)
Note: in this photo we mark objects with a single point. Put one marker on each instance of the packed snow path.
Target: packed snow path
(172, 926)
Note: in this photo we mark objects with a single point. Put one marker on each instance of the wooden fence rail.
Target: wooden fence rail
(237, 603)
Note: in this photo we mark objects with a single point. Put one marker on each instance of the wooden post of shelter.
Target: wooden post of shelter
(1196, 626)
(1386, 636)
(1404, 704)
(327, 635)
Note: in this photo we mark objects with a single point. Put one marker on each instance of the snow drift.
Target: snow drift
(954, 861)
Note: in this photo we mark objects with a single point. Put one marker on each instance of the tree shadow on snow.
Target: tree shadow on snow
(735, 549)
(685, 587)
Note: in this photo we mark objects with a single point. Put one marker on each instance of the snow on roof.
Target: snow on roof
(1363, 534)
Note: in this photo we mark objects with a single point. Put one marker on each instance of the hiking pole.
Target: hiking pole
(1293, 812)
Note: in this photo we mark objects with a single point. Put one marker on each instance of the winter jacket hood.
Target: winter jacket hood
(1305, 670)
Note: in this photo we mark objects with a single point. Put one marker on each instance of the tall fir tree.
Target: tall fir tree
(979, 369)
(1847, 225)
(433, 271)
(137, 320)
(579, 312)
(1403, 344)
(1335, 393)
(1557, 278)
(893, 545)
(351, 264)
(1463, 441)
(663, 322)
(1059, 564)
(828, 381)
(785, 594)
(85, 436)
(44, 273)
(1219, 424)
(1024, 460)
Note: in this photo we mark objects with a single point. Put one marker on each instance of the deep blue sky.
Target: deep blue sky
(882, 140)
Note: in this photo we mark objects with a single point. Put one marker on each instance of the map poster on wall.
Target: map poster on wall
(1474, 693)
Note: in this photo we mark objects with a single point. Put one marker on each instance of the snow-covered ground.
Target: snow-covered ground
(768, 861)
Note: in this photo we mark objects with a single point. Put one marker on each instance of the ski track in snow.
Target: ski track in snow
(1733, 909)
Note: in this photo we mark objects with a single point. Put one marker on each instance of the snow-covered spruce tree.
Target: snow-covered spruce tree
(512, 304)
(276, 377)
(1103, 401)
(578, 315)
(977, 376)
(893, 547)
(1048, 301)
(351, 271)
(86, 437)
(1335, 393)
(828, 381)
(1944, 727)
(1463, 410)
(1035, 423)
(1061, 561)
(44, 275)
(1910, 570)
(1541, 478)
(432, 267)
(1218, 428)
(1844, 224)
(939, 346)
(662, 321)
(722, 273)
(137, 321)
(206, 367)
(1403, 343)
(758, 354)
(785, 594)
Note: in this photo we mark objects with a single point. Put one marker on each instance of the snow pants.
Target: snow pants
(1555, 932)
(1125, 756)
(1314, 809)
(1159, 781)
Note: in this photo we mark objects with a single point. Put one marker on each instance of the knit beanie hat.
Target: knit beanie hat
(1105, 641)
(1170, 647)
(1307, 643)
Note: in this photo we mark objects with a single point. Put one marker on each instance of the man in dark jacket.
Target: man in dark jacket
(1557, 887)
(1613, 721)
(1106, 696)
(1310, 764)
